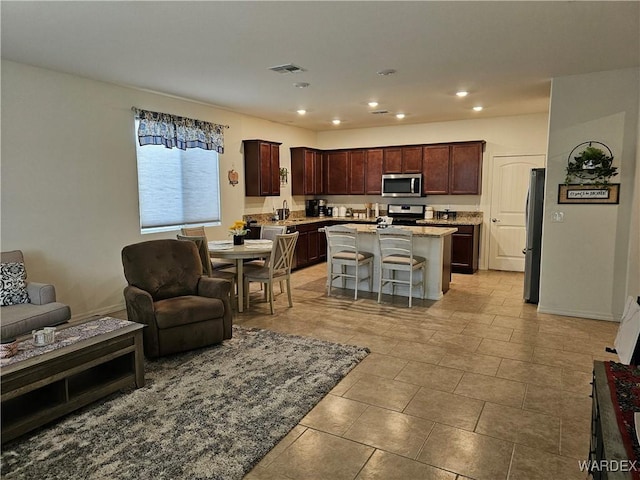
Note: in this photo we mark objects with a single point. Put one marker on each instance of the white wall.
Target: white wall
(69, 185)
(517, 135)
(587, 260)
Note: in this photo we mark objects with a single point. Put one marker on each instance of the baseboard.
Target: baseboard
(99, 311)
(578, 313)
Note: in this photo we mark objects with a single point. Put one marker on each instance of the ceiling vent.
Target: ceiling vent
(379, 112)
(288, 68)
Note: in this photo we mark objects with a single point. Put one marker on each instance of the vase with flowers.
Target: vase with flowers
(238, 230)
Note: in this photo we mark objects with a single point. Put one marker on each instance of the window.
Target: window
(177, 187)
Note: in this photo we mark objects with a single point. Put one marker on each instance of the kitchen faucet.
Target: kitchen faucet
(285, 205)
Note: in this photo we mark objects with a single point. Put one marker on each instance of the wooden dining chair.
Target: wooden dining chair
(277, 268)
(396, 255)
(267, 232)
(343, 252)
(218, 263)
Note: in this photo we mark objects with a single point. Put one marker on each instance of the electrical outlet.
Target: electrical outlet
(557, 217)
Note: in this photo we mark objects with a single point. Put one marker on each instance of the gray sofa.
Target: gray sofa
(42, 311)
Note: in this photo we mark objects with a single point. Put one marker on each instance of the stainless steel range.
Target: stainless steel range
(405, 214)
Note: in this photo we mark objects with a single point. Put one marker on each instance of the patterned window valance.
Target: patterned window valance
(178, 132)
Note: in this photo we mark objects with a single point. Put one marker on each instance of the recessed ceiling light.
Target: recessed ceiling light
(301, 84)
(399, 116)
(336, 121)
(373, 104)
(388, 71)
(478, 108)
(302, 111)
(462, 93)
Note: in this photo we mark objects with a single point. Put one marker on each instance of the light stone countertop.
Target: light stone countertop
(460, 220)
(417, 231)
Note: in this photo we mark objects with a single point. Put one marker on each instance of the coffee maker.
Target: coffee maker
(322, 208)
(312, 208)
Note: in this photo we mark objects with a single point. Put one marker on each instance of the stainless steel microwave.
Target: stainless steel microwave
(402, 185)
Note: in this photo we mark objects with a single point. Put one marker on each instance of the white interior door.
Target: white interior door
(509, 186)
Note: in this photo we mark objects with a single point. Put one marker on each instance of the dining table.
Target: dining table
(250, 249)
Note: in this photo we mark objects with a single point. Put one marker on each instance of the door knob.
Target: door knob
(495, 220)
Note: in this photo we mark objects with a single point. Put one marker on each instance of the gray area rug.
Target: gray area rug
(207, 414)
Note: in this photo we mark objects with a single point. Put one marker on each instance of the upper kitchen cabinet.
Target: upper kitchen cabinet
(466, 168)
(306, 171)
(345, 172)
(337, 168)
(412, 159)
(357, 172)
(373, 174)
(453, 169)
(392, 160)
(435, 169)
(262, 168)
(403, 159)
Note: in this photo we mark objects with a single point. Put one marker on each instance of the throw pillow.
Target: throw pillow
(14, 285)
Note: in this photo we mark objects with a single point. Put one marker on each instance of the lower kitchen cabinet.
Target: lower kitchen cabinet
(465, 248)
(312, 244)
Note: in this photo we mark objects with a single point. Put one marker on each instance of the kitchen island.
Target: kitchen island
(432, 243)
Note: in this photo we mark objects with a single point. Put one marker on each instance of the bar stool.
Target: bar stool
(343, 252)
(396, 255)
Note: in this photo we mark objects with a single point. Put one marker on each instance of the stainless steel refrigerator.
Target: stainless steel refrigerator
(533, 226)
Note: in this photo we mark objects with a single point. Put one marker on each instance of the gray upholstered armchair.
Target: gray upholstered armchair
(167, 292)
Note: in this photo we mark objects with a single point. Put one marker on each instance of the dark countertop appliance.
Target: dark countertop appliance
(312, 208)
(405, 214)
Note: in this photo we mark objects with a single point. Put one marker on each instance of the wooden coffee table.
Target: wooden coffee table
(86, 362)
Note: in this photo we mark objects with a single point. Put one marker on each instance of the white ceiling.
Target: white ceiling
(503, 53)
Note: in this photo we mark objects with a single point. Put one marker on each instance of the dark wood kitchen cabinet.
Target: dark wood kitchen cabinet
(412, 159)
(357, 172)
(261, 168)
(307, 171)
(337, 168)
(311, 247)
(452, 169)
(447, 168)
(435, 170)
(374, 160)
(465, 248)
(403, 159)
(465, 173)
(392, 160)
(345, 172)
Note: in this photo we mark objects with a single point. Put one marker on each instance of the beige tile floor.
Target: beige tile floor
(477, 385)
